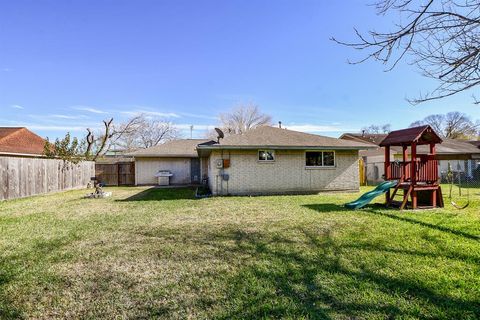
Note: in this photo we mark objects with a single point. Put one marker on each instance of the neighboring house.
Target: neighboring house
(270, 160)
(463, 156)
(117, 153)
(115, 156)
(180, 157)
(20, 142)
(476, 143)
(372, 155)
(375, 138)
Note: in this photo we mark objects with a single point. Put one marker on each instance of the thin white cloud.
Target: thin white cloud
(318, 128)
(312, 128)
(55, 128)
(195, 126)
(57, 118)
(16, 106)
(199, 116)
(151, 113)
(89, 109)
(67, 117)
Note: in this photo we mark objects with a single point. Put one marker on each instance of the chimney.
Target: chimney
(280, 124)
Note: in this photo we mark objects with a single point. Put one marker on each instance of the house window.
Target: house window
(266, 155)
(320, 159)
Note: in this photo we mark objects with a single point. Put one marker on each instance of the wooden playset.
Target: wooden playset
(417, 175)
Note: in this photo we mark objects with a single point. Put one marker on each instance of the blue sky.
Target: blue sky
(66, 65)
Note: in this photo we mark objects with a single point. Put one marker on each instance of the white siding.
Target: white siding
(146, 168)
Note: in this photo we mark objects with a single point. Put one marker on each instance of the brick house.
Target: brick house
(265, 160)
(270, 160)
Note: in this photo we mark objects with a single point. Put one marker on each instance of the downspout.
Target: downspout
(222, 171)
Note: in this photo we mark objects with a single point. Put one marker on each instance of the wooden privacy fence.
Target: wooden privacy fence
(116, 174)
(23, 177)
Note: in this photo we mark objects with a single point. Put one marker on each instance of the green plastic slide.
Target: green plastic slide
(369, 196)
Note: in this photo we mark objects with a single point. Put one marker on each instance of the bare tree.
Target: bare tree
(441, 37)
(243, 118)
(377, 129)
(453, 125)
(459, 126)
(145, 132)
(97, 146)
(102, 141)
(436, 121)
(93, 146)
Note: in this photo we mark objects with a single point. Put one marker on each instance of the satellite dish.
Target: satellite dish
(220, 134)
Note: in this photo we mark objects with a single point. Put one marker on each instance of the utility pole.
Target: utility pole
(191, 131)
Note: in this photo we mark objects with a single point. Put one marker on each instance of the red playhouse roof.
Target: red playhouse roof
(419, 135)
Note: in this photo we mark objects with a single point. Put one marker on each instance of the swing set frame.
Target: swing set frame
(451, 178)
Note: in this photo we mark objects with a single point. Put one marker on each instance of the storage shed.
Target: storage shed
(179, 157)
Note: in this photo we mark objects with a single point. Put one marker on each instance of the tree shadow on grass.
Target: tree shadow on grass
(325, 207)
(157, 194)
(426, 225)
(12, 268)
(7, 310)
(293, 285)
(295, 279)
(374, 209)
(306, 273)
(448, 254)
(333, 207)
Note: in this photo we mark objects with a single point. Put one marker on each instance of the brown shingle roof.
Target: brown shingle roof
(272, 137)
(475, 143)
(375, 138)
(448, 146)
(420, 135)
(20, 141)
(176, 148)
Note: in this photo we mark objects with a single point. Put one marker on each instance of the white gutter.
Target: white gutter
(213, 147)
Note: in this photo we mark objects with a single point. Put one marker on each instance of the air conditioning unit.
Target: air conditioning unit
(219, 163)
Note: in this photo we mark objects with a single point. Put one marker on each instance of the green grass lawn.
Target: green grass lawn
(162, 254)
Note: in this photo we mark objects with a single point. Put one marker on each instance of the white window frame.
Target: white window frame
(266, 161)
(322, 166)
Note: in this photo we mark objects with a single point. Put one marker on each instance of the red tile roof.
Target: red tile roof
(20, 141)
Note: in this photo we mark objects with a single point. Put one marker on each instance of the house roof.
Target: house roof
(420, 135)
(475, 143)
(448, 146)
(449, 149)
(375, 138)
(20, 141)
(277, 138)
(183, 148)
